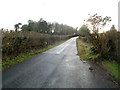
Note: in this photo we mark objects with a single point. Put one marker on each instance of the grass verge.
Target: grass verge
(112, 67)
(84, 50)
(85, 53)
(14, 60)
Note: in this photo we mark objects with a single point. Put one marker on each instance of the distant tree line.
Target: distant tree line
(45, 27)
(32, 36)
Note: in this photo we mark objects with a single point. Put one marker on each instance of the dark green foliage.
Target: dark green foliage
(25, 27)
(93, 50)
(43, 26)
(107, 44)
(14, 43)
(17, 26)
(84, 31)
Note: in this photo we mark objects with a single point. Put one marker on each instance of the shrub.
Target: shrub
(93, 49)
(106, 44)
(14, 43)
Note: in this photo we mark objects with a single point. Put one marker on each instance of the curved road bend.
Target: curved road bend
(59, 67)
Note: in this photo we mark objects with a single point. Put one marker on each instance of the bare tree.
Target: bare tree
(98, 22)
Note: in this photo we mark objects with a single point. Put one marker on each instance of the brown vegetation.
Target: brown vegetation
(106, 44)
(14, 43)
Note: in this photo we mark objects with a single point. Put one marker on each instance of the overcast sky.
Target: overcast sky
(70, 12)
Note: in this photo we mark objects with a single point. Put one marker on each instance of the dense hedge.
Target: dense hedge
(107, 45)
(14, 43)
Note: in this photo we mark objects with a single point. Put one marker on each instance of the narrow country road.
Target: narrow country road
(59, 67)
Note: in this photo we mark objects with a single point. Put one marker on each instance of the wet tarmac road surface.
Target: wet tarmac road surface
(59, 67)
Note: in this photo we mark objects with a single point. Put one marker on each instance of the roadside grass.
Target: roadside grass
(83, 49)
(21, 57)
(112, 67)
